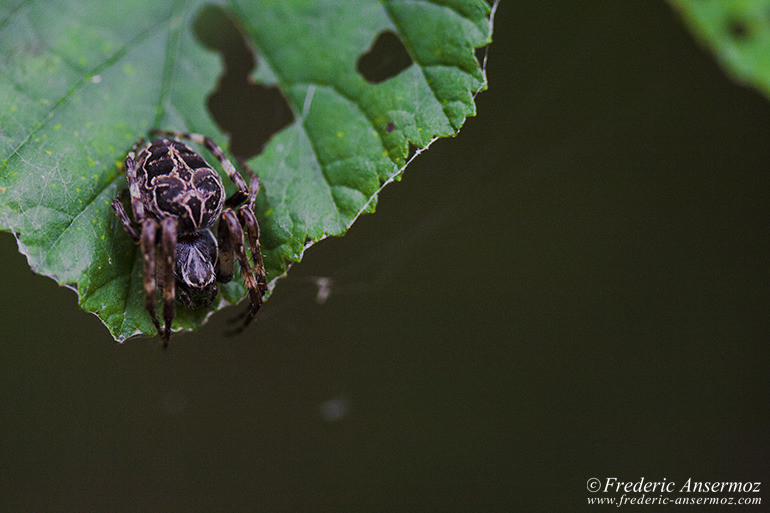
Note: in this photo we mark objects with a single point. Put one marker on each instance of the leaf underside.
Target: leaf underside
(82, 80)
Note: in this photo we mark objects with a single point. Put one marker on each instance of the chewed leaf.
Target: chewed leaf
(737, 32)
(81, 81)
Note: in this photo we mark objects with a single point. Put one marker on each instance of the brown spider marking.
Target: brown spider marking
(174, 180)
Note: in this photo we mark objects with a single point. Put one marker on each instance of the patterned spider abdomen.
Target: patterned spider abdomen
(175, 181)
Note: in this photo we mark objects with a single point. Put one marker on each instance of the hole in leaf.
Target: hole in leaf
(738, 29)
(386, 58)
(481, 54)
(251, 113)
(412, 150)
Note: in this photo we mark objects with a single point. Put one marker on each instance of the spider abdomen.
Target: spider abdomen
(177, 182)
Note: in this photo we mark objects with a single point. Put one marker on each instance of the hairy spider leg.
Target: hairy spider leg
(120, 212)
(146, 241)
(138, 144)
(226, 243)
(251, 226)
(254, 186)
(133, 188)
(243, 191)
(168, 251)
(238, 197)
(249, 222)
(230, 237)
(147, 244)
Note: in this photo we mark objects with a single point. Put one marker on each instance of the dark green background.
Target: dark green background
(576, 286)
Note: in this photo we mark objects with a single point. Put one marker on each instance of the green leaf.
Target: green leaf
(82, 80)
(738, 32)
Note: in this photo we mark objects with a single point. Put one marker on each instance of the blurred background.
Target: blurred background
(575, 286)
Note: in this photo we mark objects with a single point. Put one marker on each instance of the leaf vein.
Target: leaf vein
(97, 70)
(86, 207)
(172, 52)
(13, 12)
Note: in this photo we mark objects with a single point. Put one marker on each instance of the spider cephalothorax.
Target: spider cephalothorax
(176, 198)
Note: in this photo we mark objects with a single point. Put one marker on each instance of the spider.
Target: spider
(176, 198)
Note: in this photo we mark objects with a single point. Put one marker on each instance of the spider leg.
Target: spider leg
(238, 196)
(254, 186)
(135, 148)
(147, 244)
(249, 222)
(226, 241)
(168, 252)
(243, 191)
(128, 225)
(133, 187)
(230, 237)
